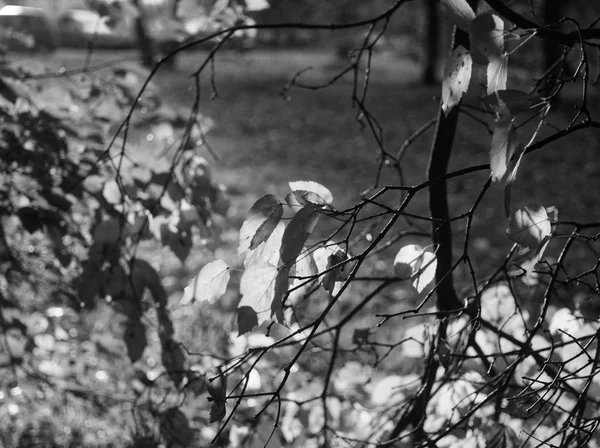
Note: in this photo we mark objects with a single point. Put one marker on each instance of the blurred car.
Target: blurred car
(82, 27)
(203, 26)
(26, 29)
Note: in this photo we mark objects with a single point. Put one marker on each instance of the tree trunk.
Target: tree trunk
(552, 51)
(432, 45)
(143, 39)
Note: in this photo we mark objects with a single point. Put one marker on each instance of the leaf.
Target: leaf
(504, 143)
(297, 232)
(216, 385)
(217, 412)
(143, 276)
(175, 428)
(174, 360)
(265, 230)
(529, 226)
(508, 103)
(257, 286)
(282, 282)
(30, 218)
(327, 256)
(487, 38)
(457, 75)
(208, 285)
(462, 13)
(267, 251)
(497, 74)
(94, 184)
(413, 260)
(511, 176)
(112, 192)
(303, 189)
(262, 219)
(108, 231)
(135, 339)
(246, 319)
(196, 382)
(498, 435)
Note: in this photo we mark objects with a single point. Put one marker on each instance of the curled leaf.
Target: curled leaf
(313, 192)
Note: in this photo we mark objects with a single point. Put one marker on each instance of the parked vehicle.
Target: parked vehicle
(26, 29)
(82, 27)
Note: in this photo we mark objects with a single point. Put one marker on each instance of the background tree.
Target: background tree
(385, 321)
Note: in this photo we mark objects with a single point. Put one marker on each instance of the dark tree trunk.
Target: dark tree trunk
(552, 51)
(144, 41)
(432, 46)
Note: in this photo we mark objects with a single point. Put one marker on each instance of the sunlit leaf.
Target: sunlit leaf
(304, 188)
(504, 144)
(257, 286)
(487, 38)
(462, 13)
(326, 257)
(267, 251)
(529, 226)
(262, 219)
(497, 74)
(390, 390)
(112, 192)
(135, 339)
(457, 75)
(415, 261)
(209, 285)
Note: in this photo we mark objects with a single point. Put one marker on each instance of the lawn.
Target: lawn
(264, 139)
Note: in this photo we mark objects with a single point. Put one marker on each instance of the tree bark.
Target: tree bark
(144, 42)
(432, 45)
(552, 51)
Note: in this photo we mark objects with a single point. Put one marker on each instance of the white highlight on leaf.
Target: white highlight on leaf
(529, 226)
(462, 13)
(487, 38)
(497, 74)
(260, 212)
(258, 289)
(312, 187)
(504, 144)
(457, 75)
(415, 261)
(209, 285)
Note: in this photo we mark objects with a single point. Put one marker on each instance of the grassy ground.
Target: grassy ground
(263, 140)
